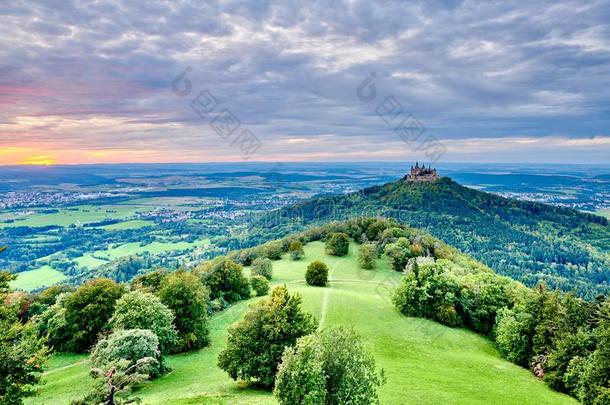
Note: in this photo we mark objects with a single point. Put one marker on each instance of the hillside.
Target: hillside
(424, 362)
(527, 241)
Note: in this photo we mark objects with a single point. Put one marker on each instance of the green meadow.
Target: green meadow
(424, 362)
(33, 279)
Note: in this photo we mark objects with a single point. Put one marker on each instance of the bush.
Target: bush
(256, 343)
(132, 345)
(142, 310)
(428, 292)
(337, 244)
(88, 310)
(225, 279)
(296, 249)
(329, 367)
(317, 274)
(367, 254)
(260, 285)
(262, 267)
(184, 294)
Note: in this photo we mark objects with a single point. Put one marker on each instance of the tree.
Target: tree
(512, 334)
(53, 327)
(367, 254)
(150, 282)
(117, 377)
(256, 343)
(188, 299)
(317, 274)
(481, 297)
(296, 249)
(143, 310)
(399, 253)
(225, 279)
(274, 250)
(88, 311)
(22, 353)
(132, 345)
(329, 367)
(262, 267)
(337, 244)
(428, 292)
(260, 285)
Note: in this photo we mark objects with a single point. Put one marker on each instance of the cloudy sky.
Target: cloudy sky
(91, 81)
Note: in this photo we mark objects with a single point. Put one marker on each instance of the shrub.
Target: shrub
(367, 253)
(428, 292)
(225, 279)
(188, 299)
(88, 310)
(337, 244)
(132, 345)
(317, 274)
(142, 310)
(256, 343)
(260, 285)
(296, 249)
(262, 267)
(329, 367)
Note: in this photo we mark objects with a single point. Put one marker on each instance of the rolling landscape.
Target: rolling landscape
(331, 202)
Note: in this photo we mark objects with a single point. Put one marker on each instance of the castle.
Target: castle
(421, 173)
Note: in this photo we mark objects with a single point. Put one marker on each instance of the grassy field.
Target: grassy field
(134, 248)
(604, 213)
(425, 363)
(82, 214)
(33, 279)
(133, 224)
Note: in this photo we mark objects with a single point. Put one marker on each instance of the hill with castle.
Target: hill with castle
(421, 173)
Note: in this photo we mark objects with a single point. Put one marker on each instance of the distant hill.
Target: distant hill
(527, 241)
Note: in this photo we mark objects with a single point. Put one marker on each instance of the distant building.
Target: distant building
(421, 173)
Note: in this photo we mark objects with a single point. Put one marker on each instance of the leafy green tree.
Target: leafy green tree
(274, 250)
(513, 335)
(399, 253)
(260, 285)
(225, 279)
(88, 311)
(337, 244)
(367, 254)
(185, 295)
(53, 327)
(317, 274)
(481, 297)
(262, 267)
(143, 310)
(151, 282)
(296, 249)
(329, 367)
(132, 345)
(22, 353)
(256, 343)
(428, 291)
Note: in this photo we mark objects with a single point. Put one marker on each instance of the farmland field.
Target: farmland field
(33, 279)
(431, 363)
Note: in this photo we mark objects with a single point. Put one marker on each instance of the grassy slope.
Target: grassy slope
(424, 361)
(42, 277)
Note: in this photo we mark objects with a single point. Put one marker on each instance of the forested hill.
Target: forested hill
(528, 241)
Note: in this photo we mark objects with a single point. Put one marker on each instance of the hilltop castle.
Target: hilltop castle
(421, 173)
